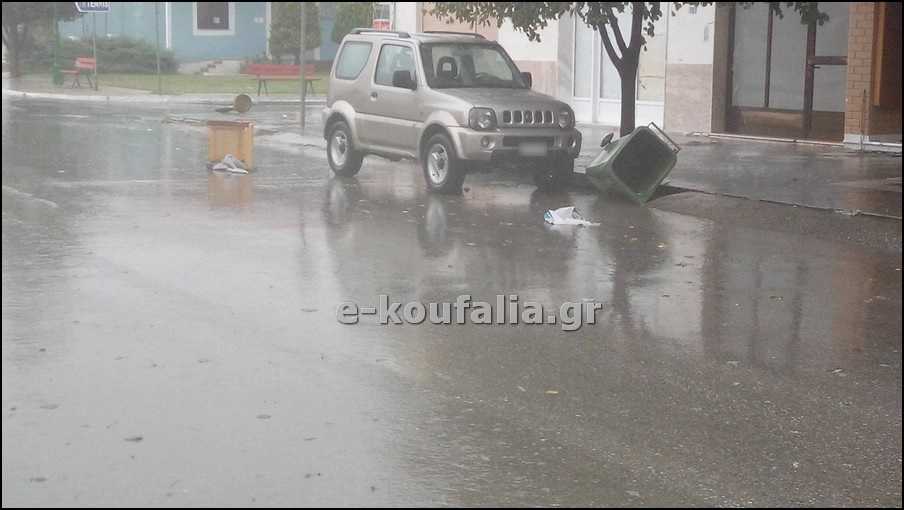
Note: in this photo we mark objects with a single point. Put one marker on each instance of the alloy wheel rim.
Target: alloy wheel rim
(339, 148)
(437, 164)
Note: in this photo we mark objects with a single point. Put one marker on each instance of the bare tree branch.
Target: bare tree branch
(637, 15)
(610, 50)
(613, 22)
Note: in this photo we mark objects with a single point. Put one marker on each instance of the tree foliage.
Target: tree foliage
(351, 15)
(622, 44)
(285, 29)
(21, 18)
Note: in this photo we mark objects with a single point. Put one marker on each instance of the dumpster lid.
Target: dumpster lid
(230, 123)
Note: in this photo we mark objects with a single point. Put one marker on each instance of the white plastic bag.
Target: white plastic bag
(230, 164)
(566, 216)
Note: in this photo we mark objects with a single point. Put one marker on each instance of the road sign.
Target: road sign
(93, 6)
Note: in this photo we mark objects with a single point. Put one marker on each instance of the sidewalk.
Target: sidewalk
(826, 177)
(39, 88)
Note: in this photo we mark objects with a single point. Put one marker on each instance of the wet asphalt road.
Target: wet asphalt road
(169, 336)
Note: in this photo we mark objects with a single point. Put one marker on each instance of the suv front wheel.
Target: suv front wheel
(344, 159)
(554, 172)
(443, 171)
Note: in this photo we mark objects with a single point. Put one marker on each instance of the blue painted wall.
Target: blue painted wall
(327, 19)
(250, 39)
(132, 19)
(136, 19)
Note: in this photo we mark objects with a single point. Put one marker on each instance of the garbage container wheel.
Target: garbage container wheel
(344, 159)
(443, 171)
(554, 172)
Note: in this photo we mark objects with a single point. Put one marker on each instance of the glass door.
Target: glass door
(788, 79)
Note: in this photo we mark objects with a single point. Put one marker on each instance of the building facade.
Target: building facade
(199, 31)
(716, 68)
(724, 68)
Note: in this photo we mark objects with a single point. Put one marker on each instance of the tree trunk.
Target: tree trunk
(628, 75)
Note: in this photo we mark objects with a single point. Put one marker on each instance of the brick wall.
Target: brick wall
(860, 115)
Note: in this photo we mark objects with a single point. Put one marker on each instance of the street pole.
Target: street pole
(301, 64)
(57, 74)
(157, 38)
(94, 45)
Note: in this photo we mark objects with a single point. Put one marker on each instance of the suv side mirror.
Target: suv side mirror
(403, 80)
(528, 79)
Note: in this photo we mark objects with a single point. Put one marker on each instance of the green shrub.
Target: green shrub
(114, 55)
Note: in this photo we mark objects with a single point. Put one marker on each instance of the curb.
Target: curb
(154, 99)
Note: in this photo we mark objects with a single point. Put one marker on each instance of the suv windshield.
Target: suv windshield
(463, 65)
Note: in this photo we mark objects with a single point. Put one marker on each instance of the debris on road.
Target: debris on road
(566, 216)
(635, 164)
(241, 104)
(230, 164)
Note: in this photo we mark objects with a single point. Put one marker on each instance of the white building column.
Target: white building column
(406, 16)
(689, 69)
(168, 24)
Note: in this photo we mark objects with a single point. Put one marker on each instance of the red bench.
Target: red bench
(267, 72)
(83, 65)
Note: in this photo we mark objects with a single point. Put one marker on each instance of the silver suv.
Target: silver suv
(452, 101)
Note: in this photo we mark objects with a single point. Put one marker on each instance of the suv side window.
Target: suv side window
(394, 58)
(352, 59)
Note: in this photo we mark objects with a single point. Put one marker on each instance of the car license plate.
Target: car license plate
(532, 149)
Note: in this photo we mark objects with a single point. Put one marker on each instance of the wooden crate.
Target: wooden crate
(230, 137)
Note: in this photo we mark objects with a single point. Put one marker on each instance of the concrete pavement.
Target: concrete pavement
(831, 177)
(169, 335)
(826, 177)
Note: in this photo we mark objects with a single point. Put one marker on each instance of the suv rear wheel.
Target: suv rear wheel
(443, 171)
(554, 172)
(344, 159)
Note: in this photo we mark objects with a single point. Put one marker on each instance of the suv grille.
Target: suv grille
(528, 118)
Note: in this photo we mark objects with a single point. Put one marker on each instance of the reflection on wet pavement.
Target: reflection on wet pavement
(731, 364)
(225, 190)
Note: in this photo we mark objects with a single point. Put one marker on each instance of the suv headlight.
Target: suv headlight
(566, 118)
(482, 118)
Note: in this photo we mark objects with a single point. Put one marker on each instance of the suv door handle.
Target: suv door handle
(373, 95)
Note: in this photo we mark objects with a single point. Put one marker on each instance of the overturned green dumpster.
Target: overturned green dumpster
(635, 164)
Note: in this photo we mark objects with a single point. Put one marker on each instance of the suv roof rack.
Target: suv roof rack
(356, 31)
(472, 34)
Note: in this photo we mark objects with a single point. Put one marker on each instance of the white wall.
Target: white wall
(689, 69)
(691, 35)
(521, 48)
(406, 16)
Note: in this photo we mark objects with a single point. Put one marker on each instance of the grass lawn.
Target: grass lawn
(196, 84)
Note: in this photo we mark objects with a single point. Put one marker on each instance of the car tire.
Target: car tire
(340, 152)
(443, 171)
(554, 173)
